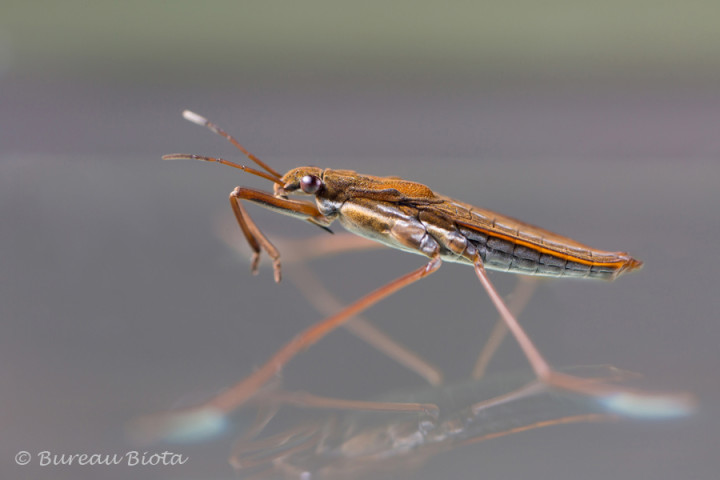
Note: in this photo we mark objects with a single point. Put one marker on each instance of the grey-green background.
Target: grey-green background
(597, 120)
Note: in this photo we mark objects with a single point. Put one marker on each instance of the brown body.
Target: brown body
(410, 216)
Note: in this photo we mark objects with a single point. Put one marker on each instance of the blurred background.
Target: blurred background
(600, 121)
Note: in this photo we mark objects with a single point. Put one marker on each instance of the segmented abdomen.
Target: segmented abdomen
(509, 256)
(510, 245)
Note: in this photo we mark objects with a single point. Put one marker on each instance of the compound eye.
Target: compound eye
(310, 184)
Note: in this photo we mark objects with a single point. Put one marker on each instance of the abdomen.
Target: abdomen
(546, 258)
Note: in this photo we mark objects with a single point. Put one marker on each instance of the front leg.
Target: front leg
(254, 236)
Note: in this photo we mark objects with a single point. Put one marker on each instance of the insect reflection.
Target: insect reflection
(365, 444)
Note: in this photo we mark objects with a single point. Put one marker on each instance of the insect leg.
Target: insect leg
(323, 246)
(269, 451)
(264, 415)
(583, 418)
(517, 301)
(209, 417)
(296, 253)
(308, 400)
(537, 362)
(237, 395)
(254, 236)
(326, 303)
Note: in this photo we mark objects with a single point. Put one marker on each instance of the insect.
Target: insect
(411, 217)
